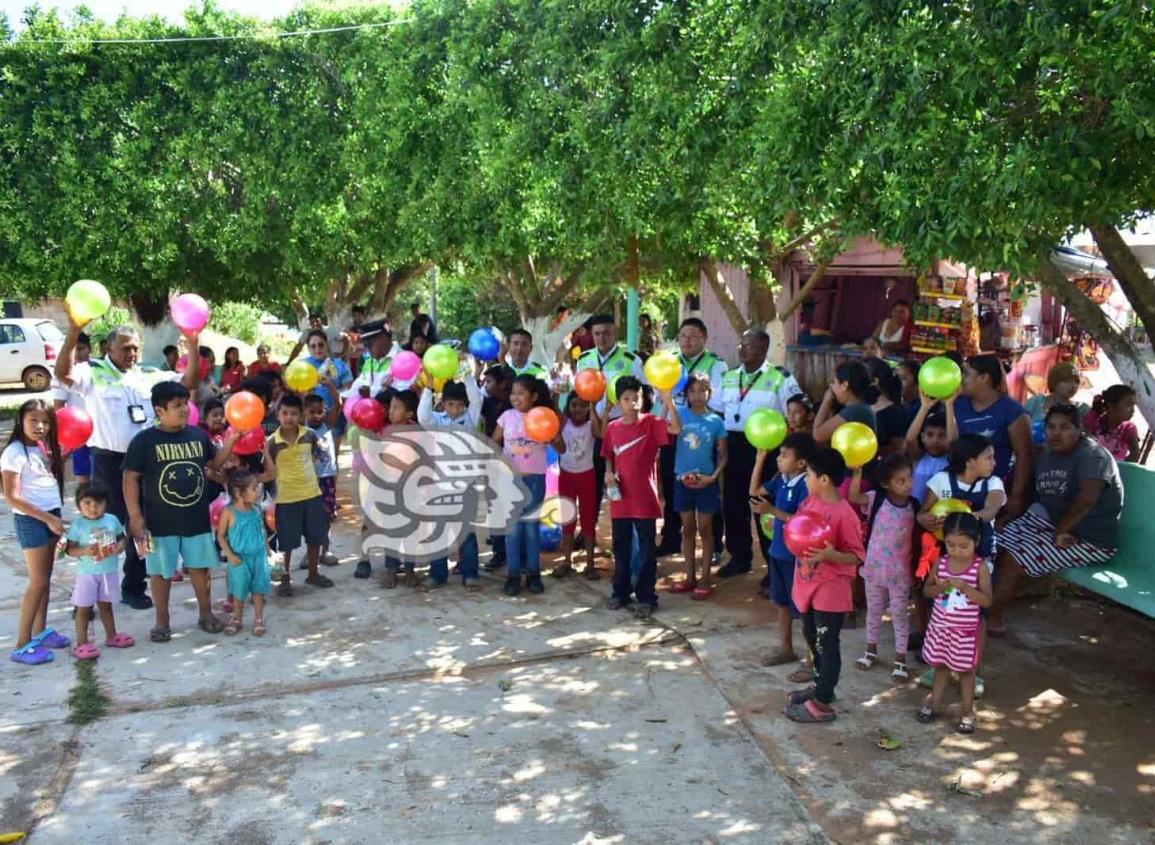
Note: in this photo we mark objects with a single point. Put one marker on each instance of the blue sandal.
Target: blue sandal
(51, 638)
(32, 653)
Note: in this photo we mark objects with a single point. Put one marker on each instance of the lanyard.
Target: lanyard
(745, 389)
(690, 367)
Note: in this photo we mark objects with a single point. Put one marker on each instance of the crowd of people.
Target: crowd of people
(1034, 490)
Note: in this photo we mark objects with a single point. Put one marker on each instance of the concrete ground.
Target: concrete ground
(369, 715)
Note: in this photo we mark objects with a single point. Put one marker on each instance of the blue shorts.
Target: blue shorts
(82, 461)
(302, 520)
(198, 552)
(32, 533)
(782, 583)
(700, 499)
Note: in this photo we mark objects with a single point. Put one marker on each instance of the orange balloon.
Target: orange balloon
(542, 425)
(590, 385)
(245, 411)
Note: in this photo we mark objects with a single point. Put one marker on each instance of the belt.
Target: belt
(108, 453)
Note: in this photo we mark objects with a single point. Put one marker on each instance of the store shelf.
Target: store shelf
(955, 326)
(927, 351)
(936, 294)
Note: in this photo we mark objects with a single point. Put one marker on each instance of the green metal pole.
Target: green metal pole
(632, 322)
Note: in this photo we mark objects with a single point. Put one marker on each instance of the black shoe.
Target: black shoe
(364, 569)
(495, 562)
(533, 583)
(732, 569)
(616, 604)
(644, 611)
(137, 601)
(512, 585)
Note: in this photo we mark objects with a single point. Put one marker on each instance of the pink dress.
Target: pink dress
(952, 637)
(1117, 441)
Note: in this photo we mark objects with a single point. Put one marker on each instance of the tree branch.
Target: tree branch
(721, 289)
(564, 289)
(1128, 271)
(815, 277)
(805, 238)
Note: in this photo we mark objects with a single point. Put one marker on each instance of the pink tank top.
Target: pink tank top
(953, 613)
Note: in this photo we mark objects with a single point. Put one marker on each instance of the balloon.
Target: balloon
(439, 384)
(182, 365)
(541, 425)
(1039, 431)
(440, 361)
(250, 442)
(405, 366)
(190, 312)
(194, 414)
(612, 390)
(575, 352)
(73, 428)
(215, 507)
(663, 369)
(590, 385)
(353, 399)
(550, 537)
(856, 442)
(301, 376)
(271, 515)
(551, 456)
(368, 414)
(551, 483)
(939, 377)
(766, 429)
(484, 345)
(87, 300)
(245, 411)
(766, 520)
(945, 507)
(806, 533)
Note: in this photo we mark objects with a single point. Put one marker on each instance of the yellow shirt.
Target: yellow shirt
(296, 474)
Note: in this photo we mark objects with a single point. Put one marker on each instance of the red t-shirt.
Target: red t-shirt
(827, 586)
(256, 368)
(634, 450)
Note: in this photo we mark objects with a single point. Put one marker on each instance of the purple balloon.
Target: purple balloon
(190, 312)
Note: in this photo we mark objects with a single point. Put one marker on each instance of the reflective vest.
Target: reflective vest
(744, 392)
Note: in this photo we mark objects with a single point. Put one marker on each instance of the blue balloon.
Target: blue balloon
(550, 455)
(550, 537)
(1039, 431)
(681, 385)
(484, 345)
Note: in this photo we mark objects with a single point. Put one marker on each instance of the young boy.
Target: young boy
(823, 581)
(171, 461)
(630, 448)
(300, 508)
(402, 411)
(97, 540)
(781, 497)
(696, 495)
(321, 421)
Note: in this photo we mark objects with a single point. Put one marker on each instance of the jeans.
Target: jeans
(523, 543)
(823, 632)
(108, 470)
(625, 531)
(467, 558)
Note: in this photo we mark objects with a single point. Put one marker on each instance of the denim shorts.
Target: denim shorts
(198, 551)
(32, 533)
(701, 499)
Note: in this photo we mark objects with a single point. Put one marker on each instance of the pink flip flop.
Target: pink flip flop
(121, 640)
(85, 651)
(701, 593)
(682, 587)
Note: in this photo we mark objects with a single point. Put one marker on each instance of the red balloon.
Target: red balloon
(250, 443)
(368, 414)
(271, 515)
(541, 425)
(806, 533)
(245, 411)
(73, 428)
(590, 385)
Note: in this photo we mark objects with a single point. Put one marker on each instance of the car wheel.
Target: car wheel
(37, 379)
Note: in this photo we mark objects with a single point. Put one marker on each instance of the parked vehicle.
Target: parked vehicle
(28, 348)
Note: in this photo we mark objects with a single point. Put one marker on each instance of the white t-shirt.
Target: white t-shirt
(939, 484)
(110, 402)
(37, 483)
(333, 333)
(579, 447)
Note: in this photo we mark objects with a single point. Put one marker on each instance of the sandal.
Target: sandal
(779, 657)
(899, 672)
(684, 586)
(966, 725)
(160, 635)
(319, 580)
(802, 675)
(563, 571)
(801, 695)
(701, 593)
(410, 579)
(808, 712)
(285, 590)
(592, 574)
(32, 653)
(234, 627)
(121, 640)
(259, 629)
(867, 660)
(926, 713)
(210, 625)
(51, 638)
(85, 651)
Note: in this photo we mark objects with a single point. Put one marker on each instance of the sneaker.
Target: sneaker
(666, 549)
(512, 585)
(644, 611)
(533, 583)
(364, 569)
(137, 601)
(733, 569)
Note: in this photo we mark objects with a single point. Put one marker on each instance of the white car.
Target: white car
(28, 348)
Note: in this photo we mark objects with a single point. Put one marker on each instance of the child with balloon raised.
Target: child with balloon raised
(577, 480)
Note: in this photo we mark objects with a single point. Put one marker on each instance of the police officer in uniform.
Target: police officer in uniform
(518, 360)
(753, 384)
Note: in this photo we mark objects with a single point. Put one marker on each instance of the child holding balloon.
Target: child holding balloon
(241, 534)
(968, 480)
(577, 480)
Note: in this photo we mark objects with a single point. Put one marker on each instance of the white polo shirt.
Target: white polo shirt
(743, 393)
(109, 394)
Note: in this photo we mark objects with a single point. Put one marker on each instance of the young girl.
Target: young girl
(799, 413)
(33, 476)
(232, 371)
(97, 538)
(890, 552)
(969, 476)
(960, 585)
(321, 422)
(241, 534)
(523, 543)
(577, 481)
(1109, 422)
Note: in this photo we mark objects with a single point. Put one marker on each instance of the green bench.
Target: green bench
(1129, 577)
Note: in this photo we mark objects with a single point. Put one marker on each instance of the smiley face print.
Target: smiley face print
(182, 484)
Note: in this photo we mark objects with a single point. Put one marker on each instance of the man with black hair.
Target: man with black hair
(518, 359)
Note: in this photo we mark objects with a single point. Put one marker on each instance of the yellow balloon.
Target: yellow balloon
(576, 352)
(945, 507)
(439, 384)
(856, 442)
(302, 376)
(663, 370)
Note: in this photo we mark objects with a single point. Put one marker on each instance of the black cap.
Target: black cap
(370, 330)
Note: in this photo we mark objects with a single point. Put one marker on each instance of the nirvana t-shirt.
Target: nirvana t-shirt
(173, 484)
(1059, 477)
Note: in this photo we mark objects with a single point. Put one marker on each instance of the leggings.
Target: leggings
(581, 487)
(823, 632)
(878, 589)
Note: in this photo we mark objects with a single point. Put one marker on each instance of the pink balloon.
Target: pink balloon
(190, 312)
(350, 402)
(806, 533)
(551, 480)
(405, 366)
(215, 507)
(194, 414)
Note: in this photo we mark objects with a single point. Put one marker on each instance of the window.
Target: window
(10, 333)
(48, 332)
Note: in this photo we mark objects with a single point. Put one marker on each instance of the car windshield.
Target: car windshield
(49, 332)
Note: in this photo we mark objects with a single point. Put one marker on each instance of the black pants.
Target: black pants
(736, 499)
(599, 483)
(624, 530)
(672, 525)
(823, 632)
(108, 469)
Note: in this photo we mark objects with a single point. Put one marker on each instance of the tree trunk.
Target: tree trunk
(1128, 272)
(1129, 364)
(717, 282)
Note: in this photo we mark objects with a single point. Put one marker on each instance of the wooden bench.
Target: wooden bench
(1129, 577)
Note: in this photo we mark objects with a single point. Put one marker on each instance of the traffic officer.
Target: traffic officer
(520, 347)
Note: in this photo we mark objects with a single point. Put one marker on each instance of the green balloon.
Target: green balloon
(440, 361)
(939, 377)
(87, 300)
(612, 390)
(766, 429)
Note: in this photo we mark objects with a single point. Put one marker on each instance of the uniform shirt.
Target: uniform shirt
(296, 472)
(81, 532)
(174, 490)
(373, 374)
(37, 483)
(698, 443)
(714, 367)
(531, 368)
(618, 362)
(471, 419)
(743, 393)
(108, 394)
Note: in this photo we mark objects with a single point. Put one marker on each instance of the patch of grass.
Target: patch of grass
(87, 701)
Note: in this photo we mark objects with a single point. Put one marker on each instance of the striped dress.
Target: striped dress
(952, 637)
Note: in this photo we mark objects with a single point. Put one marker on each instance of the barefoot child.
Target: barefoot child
(578, 481)
(699, 458)
(960, 586)
(241, 534)
(823, 582)
(781, 497)
(96, 539)
(33, 475)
